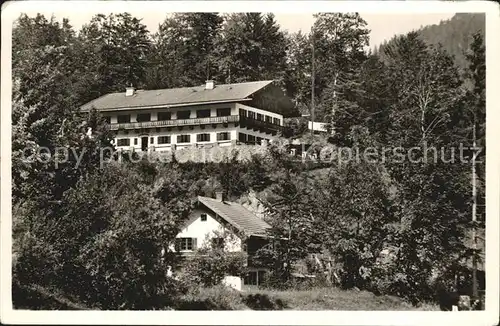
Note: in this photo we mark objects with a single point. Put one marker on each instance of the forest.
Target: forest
(96, 233)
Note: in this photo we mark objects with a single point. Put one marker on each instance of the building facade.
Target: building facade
(216, 221)
(169, 119)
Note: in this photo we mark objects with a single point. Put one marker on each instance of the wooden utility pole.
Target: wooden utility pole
(312, 80)
(334, 99)
(474, 214)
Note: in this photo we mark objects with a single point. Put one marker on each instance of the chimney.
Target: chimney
(129, 91)
(210, 84)
(219, 195)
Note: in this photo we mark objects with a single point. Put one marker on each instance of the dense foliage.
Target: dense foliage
(101, 233)
(454, 34)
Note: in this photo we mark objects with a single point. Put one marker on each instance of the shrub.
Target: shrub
(109, 253)
(218, 297)
(214, 260)
(260, 301)
(208, 267)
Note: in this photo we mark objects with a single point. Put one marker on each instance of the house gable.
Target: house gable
(203, 229)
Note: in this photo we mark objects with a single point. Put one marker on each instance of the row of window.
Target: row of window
(142, 117)
(205, 137)
(259, 117)
(250, 139)
(183, 244)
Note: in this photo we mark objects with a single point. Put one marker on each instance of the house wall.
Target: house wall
(234, 282)
(135, 135)
(203, 231)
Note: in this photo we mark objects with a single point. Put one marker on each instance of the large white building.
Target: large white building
(167, 119)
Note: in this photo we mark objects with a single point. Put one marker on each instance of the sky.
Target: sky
(382, 26)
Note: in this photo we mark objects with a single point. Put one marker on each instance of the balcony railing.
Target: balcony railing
(259, 124)
(174, 123)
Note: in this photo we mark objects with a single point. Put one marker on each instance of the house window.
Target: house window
(124, 118)
(251, 278)
(203, 217)
(152, 140)
(183, 138)
(261, 276)
(242, 137)
(135, 141)
(123, 142)
(243, 113)
(223, 112)
(203, 113)
(183, 114)
(259, 116)
(202, 137)
(251, 139)
(222, 136)
(276, 121)
(141, 117)
(255, 278)
(268, 119)
(163, 139)
(164, 116)
(183, 244)
(251, 115)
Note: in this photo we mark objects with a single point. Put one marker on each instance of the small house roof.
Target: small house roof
(237, 215)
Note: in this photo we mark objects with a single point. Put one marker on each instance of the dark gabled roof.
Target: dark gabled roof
(172, 97)
(236, 215)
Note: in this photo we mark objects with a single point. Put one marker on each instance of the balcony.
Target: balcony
(264, 126)
(174, 123)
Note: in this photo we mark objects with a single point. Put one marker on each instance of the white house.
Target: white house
(166, 119)
(214, 216)
(317, 126)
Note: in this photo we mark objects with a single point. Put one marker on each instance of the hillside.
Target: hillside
(453, 34)
(221, 298)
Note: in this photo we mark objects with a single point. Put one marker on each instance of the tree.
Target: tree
(183, 53)
(113, 51)
(251, 47)
(339, 41)
(113, 254)
(366, 104)
(477, 94)
(298, 70)
(429, 98)
(432, 202)
(289, 212)
(477, 99)
(41, 49)
(46, 115)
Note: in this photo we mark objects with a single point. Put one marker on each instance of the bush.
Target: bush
(295, 127)
(260, 301)
(109, 253)
(271, 281)
(218, 297)
(208, 267)
(214, 260)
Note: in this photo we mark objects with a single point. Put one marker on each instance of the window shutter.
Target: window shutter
(195, 245)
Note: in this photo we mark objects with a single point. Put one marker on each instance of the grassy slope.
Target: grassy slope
(222, 298)
(336, 299)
